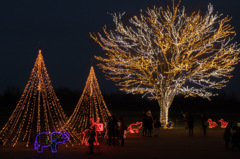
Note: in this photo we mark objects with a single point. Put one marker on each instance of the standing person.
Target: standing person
(157, 126)
(91, 140)
(190, 124)
(149, 123)
(227, 134)
(236, 137)
(121, 129)
(204, 124)
(144, 121)
(112, 130)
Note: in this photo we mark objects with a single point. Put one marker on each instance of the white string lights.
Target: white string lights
(167, 52)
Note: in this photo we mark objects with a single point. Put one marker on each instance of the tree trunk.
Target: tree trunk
(164, 115)
(164, 104)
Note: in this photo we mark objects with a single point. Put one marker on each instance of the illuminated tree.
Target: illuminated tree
(90, 105)
(163, 53)
(38, 109)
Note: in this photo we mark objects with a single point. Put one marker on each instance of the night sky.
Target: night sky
(63, 26)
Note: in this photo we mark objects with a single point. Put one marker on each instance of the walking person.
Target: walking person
(204, 124)
(121, 131)
(157, 126)
(227, 134)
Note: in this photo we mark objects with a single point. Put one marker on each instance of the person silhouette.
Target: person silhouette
(204, 124)
(190, 124)
(227, 134)
(91, 140)
(121, 129)
(236, 137)
(144, 126)
(112, 130)
(157, 126)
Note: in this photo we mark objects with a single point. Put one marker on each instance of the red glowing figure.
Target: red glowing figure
(134, 128)
(86, 133)
(212, 124)
(223, 123)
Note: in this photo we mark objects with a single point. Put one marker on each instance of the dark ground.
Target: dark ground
(172, 144)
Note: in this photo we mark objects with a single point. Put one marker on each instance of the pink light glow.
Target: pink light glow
(86, 133)
(134, 128)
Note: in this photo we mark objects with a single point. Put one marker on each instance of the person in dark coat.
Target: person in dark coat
(236, 137)
(149, 122)
(144, 126)
(121, 129)
(112, 130)
(227, 134)
(157, 126)
(204, 124)
(190, 124)
(91, 140)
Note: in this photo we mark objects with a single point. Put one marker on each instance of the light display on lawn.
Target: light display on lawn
(238, 124)
(169, 125)
(162, 53)
(90, 105)
(223, 123)
(212, 124)
(38, 109)
(134, 128)
(87, 133)
(46, 139)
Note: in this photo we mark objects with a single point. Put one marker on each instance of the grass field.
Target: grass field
(174, 143)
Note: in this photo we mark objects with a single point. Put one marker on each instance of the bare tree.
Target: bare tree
(168, 52)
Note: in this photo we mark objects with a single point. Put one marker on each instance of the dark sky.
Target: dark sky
(63, 26)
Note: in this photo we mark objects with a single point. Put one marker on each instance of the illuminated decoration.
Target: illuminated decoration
(38, 109)
(223, 123)
(86, 133)
(46, 139)
(99, 127)
(91, 106)
(238, 124)
(212, 124)
(162, 53)
(169, 125)
(134, 128)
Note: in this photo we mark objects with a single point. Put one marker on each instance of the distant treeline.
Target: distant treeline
(121, 101)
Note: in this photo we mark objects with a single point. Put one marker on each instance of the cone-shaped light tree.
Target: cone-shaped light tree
(38, 109)
(165, 52)
(90, 105)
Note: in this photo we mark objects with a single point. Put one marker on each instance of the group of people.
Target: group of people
(150, 123)
(233, 138)
(189, 123)
(116, 128)
(115, 132)
(231, 133)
